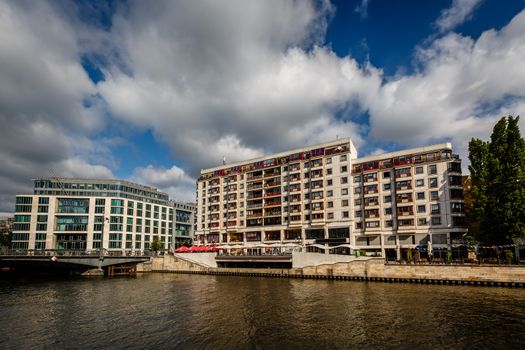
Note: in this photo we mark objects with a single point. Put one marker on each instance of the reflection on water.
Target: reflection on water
(163, 311)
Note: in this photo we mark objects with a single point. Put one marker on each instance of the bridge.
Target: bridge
(70, 261)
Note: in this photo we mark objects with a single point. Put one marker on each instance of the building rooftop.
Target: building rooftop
(282, 154)
(417, 150)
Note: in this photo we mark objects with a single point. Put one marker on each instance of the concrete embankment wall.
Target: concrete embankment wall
(369, 269)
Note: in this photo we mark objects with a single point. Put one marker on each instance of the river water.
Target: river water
(166, 311)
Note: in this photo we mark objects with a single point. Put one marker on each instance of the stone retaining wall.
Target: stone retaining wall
(373, 269)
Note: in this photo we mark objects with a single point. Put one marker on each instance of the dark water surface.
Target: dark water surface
(165, 311)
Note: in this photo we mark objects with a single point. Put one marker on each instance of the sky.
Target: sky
(155, 91)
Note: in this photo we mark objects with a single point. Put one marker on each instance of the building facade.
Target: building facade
(184, 225)
(85, 214)
(323, 198)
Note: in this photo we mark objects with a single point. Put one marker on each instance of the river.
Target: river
(167, 311)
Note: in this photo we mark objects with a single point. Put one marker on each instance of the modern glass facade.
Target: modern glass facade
(86, 214)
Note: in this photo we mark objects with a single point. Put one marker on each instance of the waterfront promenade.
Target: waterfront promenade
(363, 268)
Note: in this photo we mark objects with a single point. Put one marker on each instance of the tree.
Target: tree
(498, 183)
(155, 245)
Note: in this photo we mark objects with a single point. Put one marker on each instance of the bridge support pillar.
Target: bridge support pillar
(93, 273)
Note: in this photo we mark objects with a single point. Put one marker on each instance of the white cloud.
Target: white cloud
(459, 12)
(362, 8)
(43, 88)
(463, 87)
(174, 181)
(232, 85)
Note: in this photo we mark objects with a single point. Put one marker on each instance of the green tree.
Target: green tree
(498, 187)
(155, 245)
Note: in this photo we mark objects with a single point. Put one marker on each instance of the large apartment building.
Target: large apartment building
(325, 199)
(85, 214)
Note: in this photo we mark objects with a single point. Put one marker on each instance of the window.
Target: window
(432, 169)
(420, 182)
(330, 215)
(344, 191)
(358, 213)
(357, 201)
(419, 170)
(329, 171)
(421, 195)
(329, 193)
(357, 190)
(386, 174)
(422, 221)
(434, 208)
(328, 160)
(330, 204)
(372, 224)
(344, 169)
(434, 195)
(388, 223)
(388, 211)
(387, 199)
(344, 180)
(357, 178)
(421, 209)
(345, 214)
(329, 182)
(433, 182)
(343, 157)
(344, 203)
(436, 220)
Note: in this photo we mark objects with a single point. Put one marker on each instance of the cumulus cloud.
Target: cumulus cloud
(217, 83)
(174, 181)
(459, 12)
(463, 86)
(43, 96)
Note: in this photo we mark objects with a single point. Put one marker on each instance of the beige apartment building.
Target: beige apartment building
(323, 198)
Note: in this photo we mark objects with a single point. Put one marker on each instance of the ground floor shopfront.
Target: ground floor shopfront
(398, 245)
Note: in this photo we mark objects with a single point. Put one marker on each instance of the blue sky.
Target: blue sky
(155, 91)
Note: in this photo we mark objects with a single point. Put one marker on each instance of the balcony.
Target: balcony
(253, 178)
(316, 174)
(272, 184)
(404, 198)
(272, 203)
(272, 213)
(254, 186)
(257, 204)
(294, 167)
(272, 194)
(272, 174)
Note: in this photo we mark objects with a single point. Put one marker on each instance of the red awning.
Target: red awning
(182, 249)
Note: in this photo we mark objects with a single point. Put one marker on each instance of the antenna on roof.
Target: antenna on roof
(224, 160)
(63, 192)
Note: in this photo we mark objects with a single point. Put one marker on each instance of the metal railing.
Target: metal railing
(62, 252)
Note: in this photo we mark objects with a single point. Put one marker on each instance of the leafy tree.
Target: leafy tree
(155, 245)
(498, 183)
